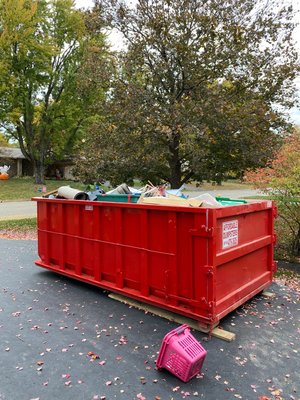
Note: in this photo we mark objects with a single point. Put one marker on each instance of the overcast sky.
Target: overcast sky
(117, 43)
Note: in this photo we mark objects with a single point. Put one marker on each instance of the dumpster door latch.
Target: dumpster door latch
(203, 231)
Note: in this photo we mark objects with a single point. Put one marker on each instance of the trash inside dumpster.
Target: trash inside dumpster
(199, 262)
(149, 194)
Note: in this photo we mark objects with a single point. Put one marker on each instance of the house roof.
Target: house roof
(11, 152)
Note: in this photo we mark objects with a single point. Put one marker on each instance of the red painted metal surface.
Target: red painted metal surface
(202, 263)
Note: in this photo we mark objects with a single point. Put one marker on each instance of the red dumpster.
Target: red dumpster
(199, 262)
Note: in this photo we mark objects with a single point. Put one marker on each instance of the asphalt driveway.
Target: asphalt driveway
(61, 339)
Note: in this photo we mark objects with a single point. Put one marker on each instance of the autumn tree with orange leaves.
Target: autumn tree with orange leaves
(281, 180)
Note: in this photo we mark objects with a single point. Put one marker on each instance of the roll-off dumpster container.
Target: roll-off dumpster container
(199, 262)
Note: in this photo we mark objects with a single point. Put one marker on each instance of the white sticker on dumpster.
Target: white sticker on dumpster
(230, 234)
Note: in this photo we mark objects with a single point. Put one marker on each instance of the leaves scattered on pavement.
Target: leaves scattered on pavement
(17, 234)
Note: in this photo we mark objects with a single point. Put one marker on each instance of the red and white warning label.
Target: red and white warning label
(230, 234)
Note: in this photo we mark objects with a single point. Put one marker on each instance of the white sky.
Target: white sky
(116, 41)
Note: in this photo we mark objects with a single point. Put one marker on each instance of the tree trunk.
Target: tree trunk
(296, 244)
(175, 175)
(174, 161)
(39, 171)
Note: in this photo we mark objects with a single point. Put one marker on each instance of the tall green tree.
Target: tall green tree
(42, 47)
(197, 90)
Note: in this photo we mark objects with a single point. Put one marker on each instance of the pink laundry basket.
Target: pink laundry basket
(181, 354)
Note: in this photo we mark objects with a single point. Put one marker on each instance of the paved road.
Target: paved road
(50, 327)
(27, 209)
(17, 210)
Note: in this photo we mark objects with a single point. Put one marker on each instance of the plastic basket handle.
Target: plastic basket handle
(180, 329)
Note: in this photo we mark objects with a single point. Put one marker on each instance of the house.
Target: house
(20, 166)
(62, 169)
(13, 157)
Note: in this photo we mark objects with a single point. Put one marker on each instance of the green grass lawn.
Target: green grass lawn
(25, 188)
(20, 224)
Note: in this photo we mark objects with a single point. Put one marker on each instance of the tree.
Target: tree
(195, 88)
(3, 141)
(281, 179)
(42, 46)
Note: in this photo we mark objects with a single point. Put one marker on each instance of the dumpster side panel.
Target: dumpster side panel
(243, 258)
(149, 253)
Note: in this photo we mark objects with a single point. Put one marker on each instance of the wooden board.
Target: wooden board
(268, 295)
(170, 201)
(51, 192)
(180, 319)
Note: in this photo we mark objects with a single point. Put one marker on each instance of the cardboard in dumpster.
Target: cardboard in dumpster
(171, 200)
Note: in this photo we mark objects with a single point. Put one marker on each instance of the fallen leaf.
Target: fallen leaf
(184, 394)
(16, 314)
(143, 380)
(276, 392)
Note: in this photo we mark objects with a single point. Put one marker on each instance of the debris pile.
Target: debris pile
(149, 194)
